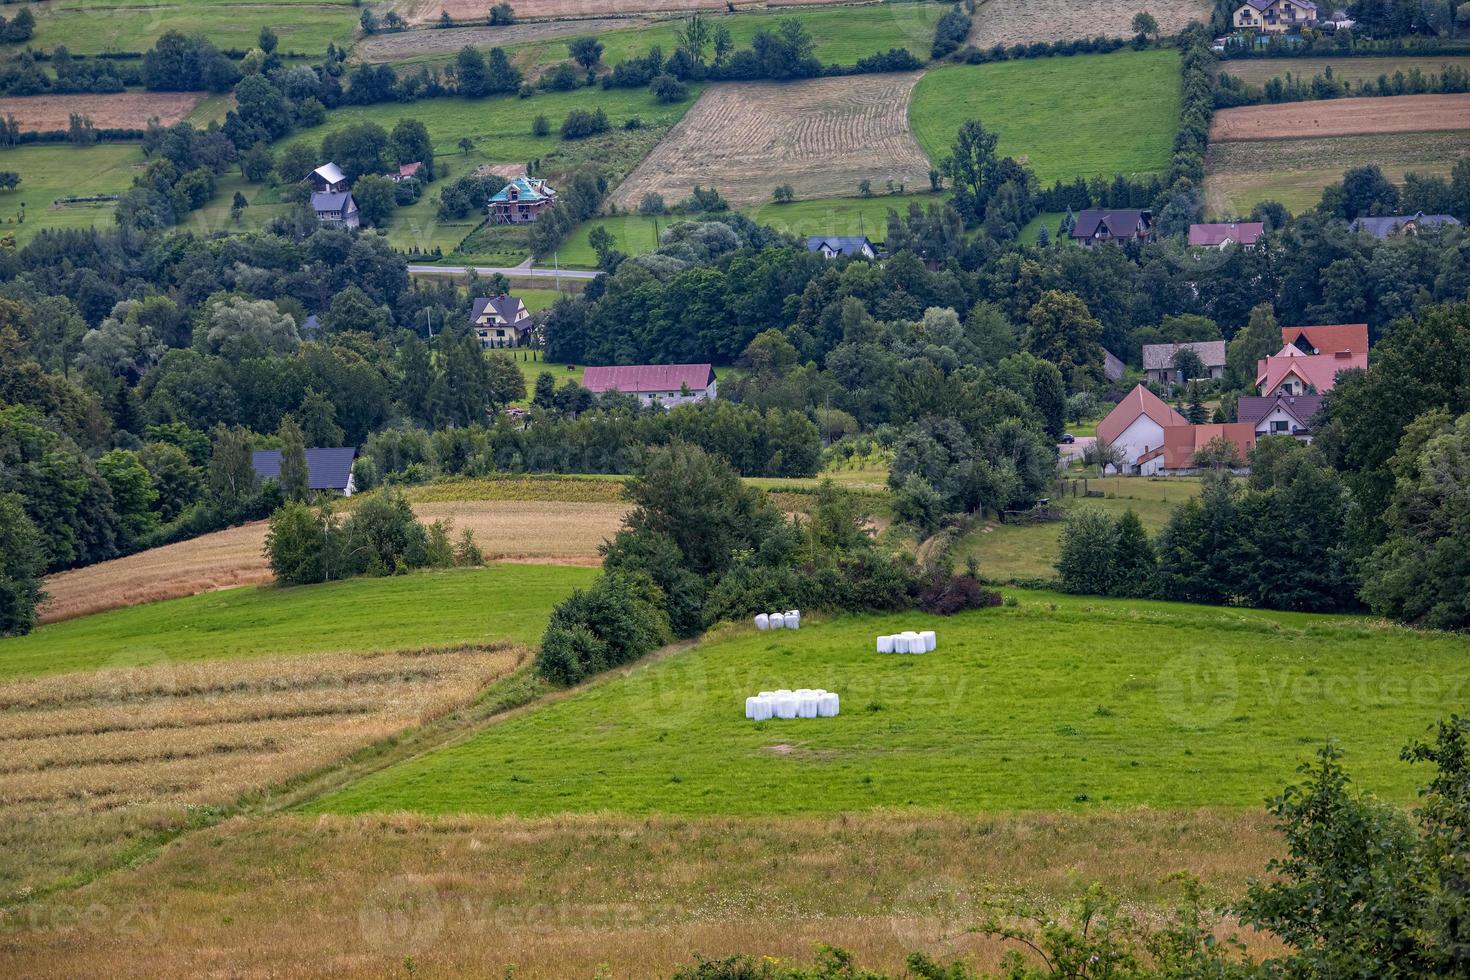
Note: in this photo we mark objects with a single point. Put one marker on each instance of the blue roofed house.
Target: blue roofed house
(831, 246)
(521, 201)
(327, 468)
(335, 209)
(1401, 225)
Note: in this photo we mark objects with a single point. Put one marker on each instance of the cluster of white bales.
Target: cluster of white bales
(789, 620)
(907, 642)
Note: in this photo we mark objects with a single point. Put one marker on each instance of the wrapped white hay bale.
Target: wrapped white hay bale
(785, 705)
(777, 621)
(806, 705)
(929, 640)
(827, 705)
(750, 706)
(762, 621)
(793, 619)
(763, 709)
(767, 694)
(885, 644)
(914, 641)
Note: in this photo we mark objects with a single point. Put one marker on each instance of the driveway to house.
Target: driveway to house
(1074, 450)
(523, 271)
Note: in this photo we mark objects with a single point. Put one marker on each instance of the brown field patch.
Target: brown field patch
(92, 764)
(115, 110)
(565, 897)
(1343, 117)
(1260, 70)
(1010, 22)
(821, 136)
(525, 530)
(402, 45)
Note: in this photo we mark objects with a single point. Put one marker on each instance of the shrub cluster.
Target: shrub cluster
(1042, 49)
(951, 31)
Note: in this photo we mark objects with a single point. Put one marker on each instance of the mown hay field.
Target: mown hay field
(606, 895)
(526, 521)
(1243, 173)
(448, 607)
(1260, 70)
(52, 171)
(97, 765)
(116, 110)
(1011, 22)
(821, 136)
(112, 26)
(1082, 116)
(1342, 117)
(1055, 703)
(423, 11)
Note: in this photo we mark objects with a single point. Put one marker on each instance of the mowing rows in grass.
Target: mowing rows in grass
(127, 26)
(1055, 702)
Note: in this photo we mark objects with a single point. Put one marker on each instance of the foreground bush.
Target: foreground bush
(616, 621)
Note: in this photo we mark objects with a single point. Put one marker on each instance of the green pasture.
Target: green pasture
(1056, 702)
(438, 608)
(1018, 552)
(134, 25)
(50, 171)
(1086, 115)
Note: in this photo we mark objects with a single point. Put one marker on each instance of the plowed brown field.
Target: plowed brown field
(821, 136)
(1343, 117)
(117, 110)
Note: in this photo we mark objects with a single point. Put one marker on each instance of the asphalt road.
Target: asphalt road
(524, 272)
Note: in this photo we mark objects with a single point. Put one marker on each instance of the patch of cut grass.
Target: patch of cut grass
(1204, 706)
(120, 26)
(438, 608)
(1081, 116)
(49, 171)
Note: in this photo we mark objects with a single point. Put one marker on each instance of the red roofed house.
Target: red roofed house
(662, 384)
(1137, 425)
(1328, 339)
(1312, 357)
(1243, 233)
(1176, 456)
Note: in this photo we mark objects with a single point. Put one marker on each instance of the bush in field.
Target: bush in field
(616, 621)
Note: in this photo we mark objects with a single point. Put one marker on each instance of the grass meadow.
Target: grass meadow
(1022, 552)
(1080, 116)
(50, 171)
(1260, 70)
(498, 602)
(134, 25)
(1056, 703)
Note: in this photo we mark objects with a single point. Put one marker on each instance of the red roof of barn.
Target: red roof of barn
(1139, 401)
(641, 378)
(1181, 442)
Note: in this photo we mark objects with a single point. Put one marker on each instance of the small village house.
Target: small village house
(1094, 227)
(501, 321)
(1221, 235)
(328, 179)
(1279, 415)
(1136, 425)
(335, 209)
(1158, 360)
(406, 171)
(661, 384)
(327, 467)
(1275, 16)
(1311, 359)
(1176, 457)
(521, 201)
(832, 246)
(1402, 225)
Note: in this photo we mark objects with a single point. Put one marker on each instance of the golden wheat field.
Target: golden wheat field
(95, 764)
(553, 531)
(827, 133)
(562, 896)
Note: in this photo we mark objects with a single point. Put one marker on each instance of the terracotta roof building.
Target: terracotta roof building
(1219, 235)
(1181, 442)
(1137, 424)
(1295, 373)
(664, 384)
(1328, 339)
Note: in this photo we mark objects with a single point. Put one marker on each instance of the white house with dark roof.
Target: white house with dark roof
(1095, 227)
(661, 384)
(1280, 414)
(328, 179)
(501, 321)
(1275, 16)
(832, 246)
(335, 209)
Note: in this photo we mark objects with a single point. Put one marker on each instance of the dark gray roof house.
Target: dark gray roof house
(1093, 225)
(831, 246)
(327, 468)
(335, 208)
(1391, 226)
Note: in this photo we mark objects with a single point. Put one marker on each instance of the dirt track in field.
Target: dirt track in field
(551, 532)
(1010, 22)
(116, 110)
(821, 136)
(1343, 117)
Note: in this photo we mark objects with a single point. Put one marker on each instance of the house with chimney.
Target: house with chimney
(1275, 16)
(1223, 235)
(1136, 425)
(1402, 225)
(1096, 227)
(1279, 415)
(655, 384)
(1311, 358)
(501, 321)
(335, 209)
(328, 179)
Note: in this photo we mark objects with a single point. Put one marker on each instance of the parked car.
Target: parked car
(1068, 438)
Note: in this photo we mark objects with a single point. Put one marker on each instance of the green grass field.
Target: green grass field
(842, 36)
(49, 171)
(134, 25)
(1048, 220)
(1018, 552)
(1058, 702)
(637, 234)
(440, 608)
(1087, 115)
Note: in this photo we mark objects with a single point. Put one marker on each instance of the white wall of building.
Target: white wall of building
(1140, 436)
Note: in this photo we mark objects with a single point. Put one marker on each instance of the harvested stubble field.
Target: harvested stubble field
(825, 135)
(1241, 174)
(94, 766)
(520, 528)
(402, 46)
(1011, 22)
(1260, 70)
(1343, 117)
(604, 895)
(116, 110)
(426, 11)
